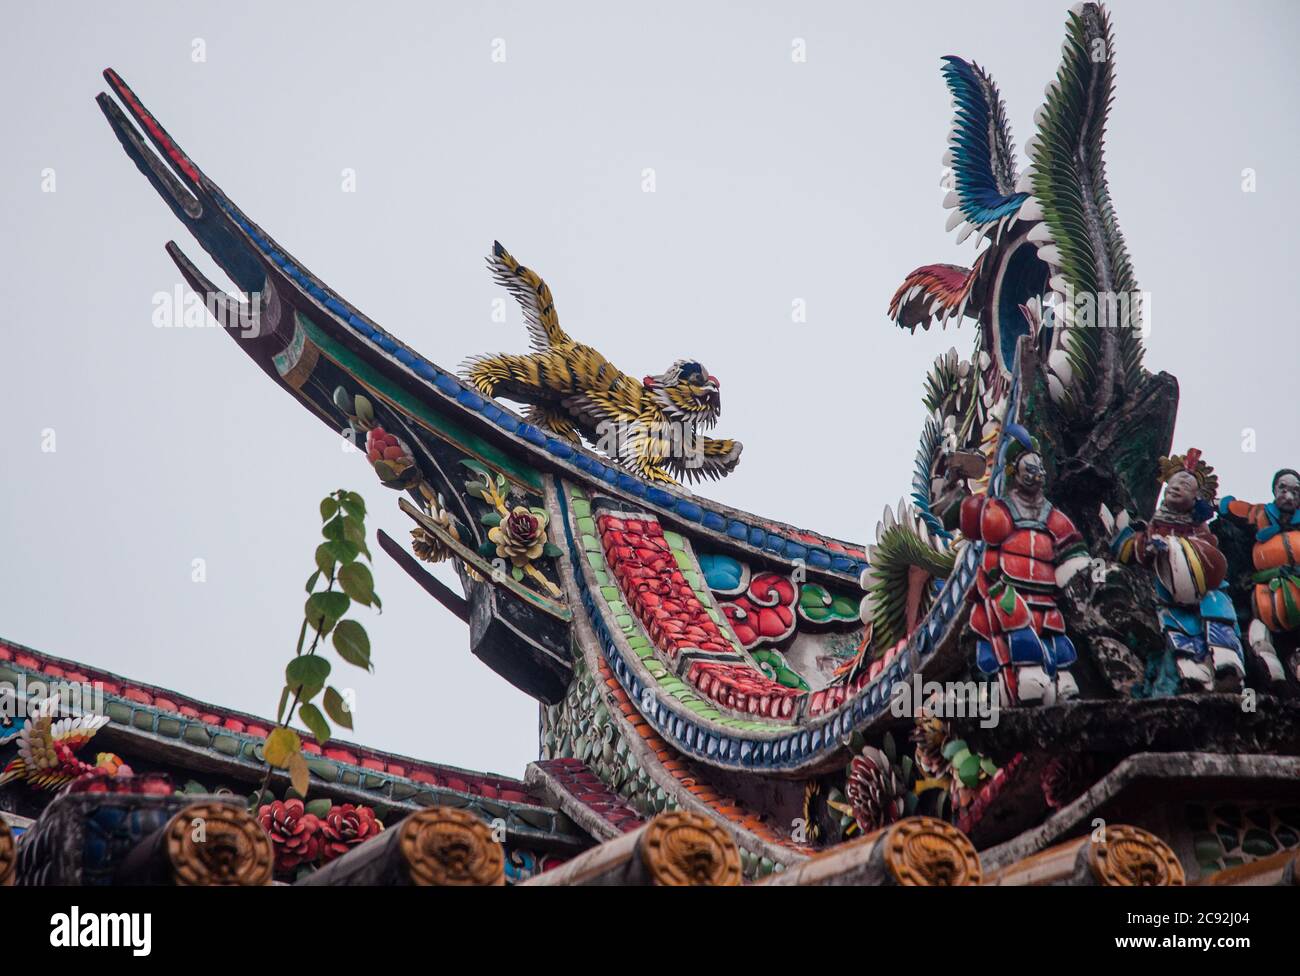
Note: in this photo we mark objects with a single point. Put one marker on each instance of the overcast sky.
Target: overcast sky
(774, 181)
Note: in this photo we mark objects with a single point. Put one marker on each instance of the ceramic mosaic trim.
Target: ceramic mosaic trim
(721, 741)
(584, 787)
(654, 573)
(583, 727)
(1225, 835)
(610, 616)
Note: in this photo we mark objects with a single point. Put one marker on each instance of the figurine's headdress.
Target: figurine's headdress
(1206, 480)
(1022, 442)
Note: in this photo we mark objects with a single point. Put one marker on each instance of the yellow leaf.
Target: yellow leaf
(298, 773)
(281, 746)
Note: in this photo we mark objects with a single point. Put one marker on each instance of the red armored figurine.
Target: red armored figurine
(1031, 549)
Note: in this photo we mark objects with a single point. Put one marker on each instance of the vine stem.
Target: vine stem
(297, 695)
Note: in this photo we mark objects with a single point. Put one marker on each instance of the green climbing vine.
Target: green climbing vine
(340, 580)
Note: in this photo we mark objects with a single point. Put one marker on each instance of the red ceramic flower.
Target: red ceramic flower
(391, 459)
(346, 826)
(383, 446)
(295, 833)
(764, 613)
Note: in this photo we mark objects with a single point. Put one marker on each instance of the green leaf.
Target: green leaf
(342, 400)
(953, 747)
(552, 550)
(356, 581)
(329, 507)
(302, 636)
(488, 548)
(311, 717)
(307, 674)
(354, 531)
(323, 610)
(353, 643)
(343, 552)
(312, 579)
(333, 529)
(336, 708)
(299, 775)
(518, 573)
(969, 770)
(319, 808)
(325, 560)
(490, 519)
(354, 505)
(989, 766)
(364, 409)
(281, 744)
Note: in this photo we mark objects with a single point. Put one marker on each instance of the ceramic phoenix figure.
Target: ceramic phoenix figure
(1277, 568)
(1195, 611)
(1031, 550)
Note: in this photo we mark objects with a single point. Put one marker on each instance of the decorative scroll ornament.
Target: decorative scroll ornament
(218, 844)
(1131, 857)
(925, 852)
(681, 848)
(447, 847)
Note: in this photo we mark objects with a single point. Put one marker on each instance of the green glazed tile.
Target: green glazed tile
(168, 726)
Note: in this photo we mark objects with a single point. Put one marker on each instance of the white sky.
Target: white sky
(775, 181)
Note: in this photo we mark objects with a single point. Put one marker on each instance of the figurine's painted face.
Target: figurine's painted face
(1286, 494)
(1030, 474)
(1180, 492)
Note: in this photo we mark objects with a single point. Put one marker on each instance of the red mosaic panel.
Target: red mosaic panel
(655, 589)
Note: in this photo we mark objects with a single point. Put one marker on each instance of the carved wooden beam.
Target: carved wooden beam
(8, 855)
(204, 844)
(1282, 868)
(915, 851)
(1123, 856)
(437, 846)
(676, 848)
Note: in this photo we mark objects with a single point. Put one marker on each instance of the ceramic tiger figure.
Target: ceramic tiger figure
(652, 426)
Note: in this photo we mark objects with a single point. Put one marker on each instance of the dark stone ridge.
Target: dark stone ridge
(1214, 723)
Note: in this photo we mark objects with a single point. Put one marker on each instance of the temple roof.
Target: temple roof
(170, 727)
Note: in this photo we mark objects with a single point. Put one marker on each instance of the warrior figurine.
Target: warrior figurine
(1277, 568)
(1195, 611)
(1031, 550)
